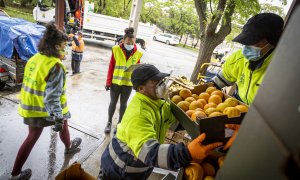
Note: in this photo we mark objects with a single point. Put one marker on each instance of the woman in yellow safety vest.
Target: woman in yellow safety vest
(119, 74)
(43, 99)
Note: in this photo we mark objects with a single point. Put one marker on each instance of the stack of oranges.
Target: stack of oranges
(208, 104)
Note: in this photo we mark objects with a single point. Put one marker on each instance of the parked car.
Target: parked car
(167, 38)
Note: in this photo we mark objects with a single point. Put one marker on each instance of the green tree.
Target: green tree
(151, 11)
(215, 20)
(101, 6)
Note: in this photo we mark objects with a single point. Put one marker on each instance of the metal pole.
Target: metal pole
(59, 14)
(135, 15)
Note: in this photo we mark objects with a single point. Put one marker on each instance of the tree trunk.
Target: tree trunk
(206, 49)
(2, 4)
(196, 43)
(180, 38)
(193, 42)
(186, 40)
(102, 6)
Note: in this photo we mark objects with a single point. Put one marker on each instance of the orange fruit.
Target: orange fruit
(209, 178)
(215, 99)
(214, 114)
(203, 101)
(199, 109)
(197, 114)
(222, 106)
(232, 112)
(209, 90)
(204, 95)
(242, 108)
(176, 99)
(195, 104)
(195, 96)
(218, 92)
(208, 169)
(210, 110)
(189, 112)
(184, 93)
(184, 105)
(193, 171)
(231, 101)
(190, 99)
(210, 105)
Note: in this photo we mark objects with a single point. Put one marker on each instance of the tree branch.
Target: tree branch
(201, 11)
(210, 7)
(216, 17)
(225, 28)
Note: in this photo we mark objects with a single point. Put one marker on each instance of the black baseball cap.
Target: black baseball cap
(145, 72)
(260, 26)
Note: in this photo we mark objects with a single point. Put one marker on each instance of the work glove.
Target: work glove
(235, 128)
(107, 88)
(58, 126)
(198, 151)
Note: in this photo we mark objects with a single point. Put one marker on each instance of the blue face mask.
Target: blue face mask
(128, 47)
(251, 53)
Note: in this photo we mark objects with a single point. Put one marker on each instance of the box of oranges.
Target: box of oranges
(206, 109)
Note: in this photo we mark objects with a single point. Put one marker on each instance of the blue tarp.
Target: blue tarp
(22, 35)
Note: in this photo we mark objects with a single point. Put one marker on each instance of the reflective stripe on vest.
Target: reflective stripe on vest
(121, 164)
(120, 77)
(34, 86)
(36, 92)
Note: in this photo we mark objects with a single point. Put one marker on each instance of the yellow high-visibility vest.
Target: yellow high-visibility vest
(236, 69)
(34, 85)
(120, 76)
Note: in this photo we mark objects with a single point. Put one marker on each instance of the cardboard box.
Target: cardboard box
(214, 127)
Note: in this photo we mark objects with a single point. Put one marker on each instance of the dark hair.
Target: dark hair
(129, 33)
(52, 37)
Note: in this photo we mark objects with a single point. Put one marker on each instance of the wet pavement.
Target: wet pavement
(88, 102)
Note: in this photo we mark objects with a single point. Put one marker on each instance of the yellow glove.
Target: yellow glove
(198, 151)
(234, 127)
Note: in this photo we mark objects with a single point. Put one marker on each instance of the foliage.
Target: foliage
(12, 13)
(216, 18)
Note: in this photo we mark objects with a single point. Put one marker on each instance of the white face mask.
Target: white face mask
(128, 47)
(162, 88)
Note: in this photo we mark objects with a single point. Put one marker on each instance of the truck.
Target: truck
(19, 39)
(94, 26)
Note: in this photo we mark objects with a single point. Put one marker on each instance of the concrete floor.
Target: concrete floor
(88, 102)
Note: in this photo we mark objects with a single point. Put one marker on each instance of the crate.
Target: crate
(214, 127)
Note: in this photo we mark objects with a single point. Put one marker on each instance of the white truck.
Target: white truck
(97, 26)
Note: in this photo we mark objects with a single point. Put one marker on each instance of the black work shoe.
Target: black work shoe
(74, 146)
(24, 175)
(107, 128)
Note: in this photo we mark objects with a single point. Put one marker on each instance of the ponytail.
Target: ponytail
(129, 33)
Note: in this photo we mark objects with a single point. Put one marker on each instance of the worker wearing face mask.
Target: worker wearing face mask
(247, 66)
(138, 145)
(118, 77)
